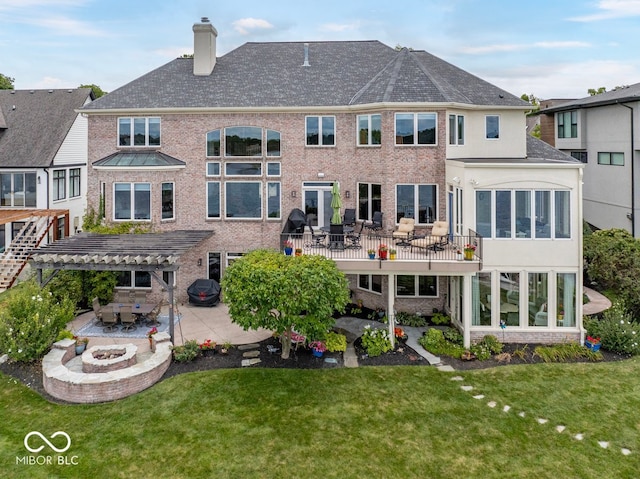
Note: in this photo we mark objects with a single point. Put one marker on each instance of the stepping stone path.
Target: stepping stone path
(251, 354)
(560, 428)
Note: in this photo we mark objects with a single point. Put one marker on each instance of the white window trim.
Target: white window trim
(266, 200)
(368, 290)
(173, 190)
(131, 132)
(227, 163)
(320, 119)
(235, 218)
(416, 288)
(486, 117)
(279, 169)
(415, 128)
(133, 205)
(415, 210)
(206, 208)
(456, 119)
(207, 169)
(206, 143)
(369, 144)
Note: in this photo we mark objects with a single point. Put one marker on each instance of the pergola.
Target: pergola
(153, 252)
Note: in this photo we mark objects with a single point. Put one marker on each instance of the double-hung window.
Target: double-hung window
(320, 130)
(416, 128)
(74, 183)
(59, 184)
(138, 131)
(369, 200)
(456, 130)
(417, 201)
(132, 201)
(369, 130)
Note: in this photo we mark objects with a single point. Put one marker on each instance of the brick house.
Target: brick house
(233, 144)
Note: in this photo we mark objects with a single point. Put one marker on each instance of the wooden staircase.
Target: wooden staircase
(15, 257)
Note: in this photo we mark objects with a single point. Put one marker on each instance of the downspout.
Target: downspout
(633, 179)
(46, 170)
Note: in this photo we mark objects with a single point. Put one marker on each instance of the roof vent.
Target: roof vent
(306, 55)
(204, 20)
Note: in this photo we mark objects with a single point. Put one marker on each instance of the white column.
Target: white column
(391, 281)
(467, 298)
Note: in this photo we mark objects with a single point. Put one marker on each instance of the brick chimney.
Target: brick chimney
(204, 47)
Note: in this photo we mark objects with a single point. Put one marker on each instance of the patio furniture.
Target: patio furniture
(404, 232)
(353, 238)
(436, 241)
(317, 239)
(97, 310)
(151, 319)
(139, 297)
(336, 237)
(375, 224)
(109, 320)
(349, 217)
(121, 297)
(127, 318)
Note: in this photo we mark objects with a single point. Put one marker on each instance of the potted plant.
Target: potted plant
(392, 253)
(288, 247)
(208, 345)
(81, 344)
(298, 251)
(469, 251)
(150, 334)
(371, 253)
(459, 255)
(382, 251)
(592, 343)
(226, 346)
(318, 348)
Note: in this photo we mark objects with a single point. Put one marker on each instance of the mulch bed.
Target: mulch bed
(30, 374)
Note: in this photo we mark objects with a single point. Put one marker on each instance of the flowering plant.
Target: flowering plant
(288, 244)
(371, 251)
(383, 247)
(593, 340)
(151, 332)
(398, 332)
(80, 340)
(319, 346)
(469, 247)
(207, 345)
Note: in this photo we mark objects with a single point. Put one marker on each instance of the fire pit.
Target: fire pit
(102, 359)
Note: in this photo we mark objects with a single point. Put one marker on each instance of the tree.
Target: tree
(97, 91)
(594, 92)
(6, 83)
(266, 289)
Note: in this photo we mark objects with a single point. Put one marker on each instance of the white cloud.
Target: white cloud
(512, 47)
(611, 9)
(245, 25)
(67, 26)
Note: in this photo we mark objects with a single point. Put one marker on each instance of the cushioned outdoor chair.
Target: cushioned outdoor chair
(109, 320)
(436, 241)
(404, 232)
(127, 318)
(349, 217)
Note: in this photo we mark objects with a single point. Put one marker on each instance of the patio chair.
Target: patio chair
(436, 241)
(127, 318)
(97, 309)
(121, 297)
(404, 232)
(336, 237)
(353, 239)
(317, 238)
(349, 217)
(375, 224)
(152, 317)
(139, 297)
(109, 320)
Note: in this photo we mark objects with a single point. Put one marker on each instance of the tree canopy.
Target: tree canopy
(266, 289)
(6, 83)
(97, 91)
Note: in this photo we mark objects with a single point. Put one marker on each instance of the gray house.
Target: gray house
(602, 131)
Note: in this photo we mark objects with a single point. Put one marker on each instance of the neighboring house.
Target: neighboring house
(43, 171)
(602, 131)
(234, 144)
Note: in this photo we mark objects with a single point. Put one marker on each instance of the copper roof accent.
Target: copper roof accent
(125, 252)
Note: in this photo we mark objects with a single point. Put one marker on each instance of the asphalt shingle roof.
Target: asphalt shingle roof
(621, 95)
(35, 129)
(269, 75)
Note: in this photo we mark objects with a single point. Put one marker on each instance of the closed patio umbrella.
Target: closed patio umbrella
(336, 204)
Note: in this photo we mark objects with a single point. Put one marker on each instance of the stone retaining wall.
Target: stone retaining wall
(77, 387)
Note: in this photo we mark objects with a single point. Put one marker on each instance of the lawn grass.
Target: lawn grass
(344, 423)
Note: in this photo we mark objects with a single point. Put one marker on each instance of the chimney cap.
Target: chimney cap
(204, 19)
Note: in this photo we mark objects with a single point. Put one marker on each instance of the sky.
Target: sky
(548, 48)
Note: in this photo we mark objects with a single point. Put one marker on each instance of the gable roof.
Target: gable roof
(272, 75)
(36, 124)
(621, 95)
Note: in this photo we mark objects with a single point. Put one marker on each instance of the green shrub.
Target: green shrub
(616, 330)
(435, 342)
(375, 341)
(64, 334)
(494, 345)
(453, 335)
(189, 351)
(440, 319)
(565, 352)
(31, 321)
(336, 342)
(410, 319)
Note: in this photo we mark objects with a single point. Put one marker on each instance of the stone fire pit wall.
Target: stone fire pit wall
(79, 387)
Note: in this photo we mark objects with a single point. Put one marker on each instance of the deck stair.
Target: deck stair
(14, 258)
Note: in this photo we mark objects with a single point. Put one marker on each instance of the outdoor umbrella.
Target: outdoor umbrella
(336, 204)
